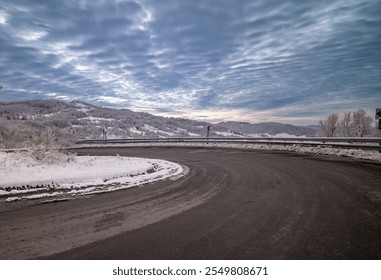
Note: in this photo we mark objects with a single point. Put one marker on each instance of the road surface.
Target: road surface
(232, 204)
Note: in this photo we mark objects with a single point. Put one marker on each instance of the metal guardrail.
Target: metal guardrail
(353, 142)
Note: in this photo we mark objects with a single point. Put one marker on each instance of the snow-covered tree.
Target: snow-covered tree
(327, 127)
(352, 124)
(346, 125)
(361, 123)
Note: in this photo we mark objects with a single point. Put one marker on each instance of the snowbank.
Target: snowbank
(22, 177)
(322, 150)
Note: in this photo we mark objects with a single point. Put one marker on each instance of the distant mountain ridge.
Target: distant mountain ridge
(74, 120)
(269, 128)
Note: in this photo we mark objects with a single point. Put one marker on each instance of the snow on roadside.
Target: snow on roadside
(22, 177)
(286, 135)
(227, 134)
(322, 150)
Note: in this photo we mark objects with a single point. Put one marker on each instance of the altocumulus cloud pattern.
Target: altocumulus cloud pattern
(291, 61)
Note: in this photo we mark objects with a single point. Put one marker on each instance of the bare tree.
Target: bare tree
(328, 127)
(323, 128)
(2, 136)
(361, 123)
(332, 123)
(42, 139)
(346, 124)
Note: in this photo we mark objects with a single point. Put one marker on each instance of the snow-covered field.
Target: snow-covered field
(22, 177)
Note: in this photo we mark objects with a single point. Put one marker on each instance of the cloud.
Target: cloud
(269, 59)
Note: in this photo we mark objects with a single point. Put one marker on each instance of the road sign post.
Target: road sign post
(378, 113)
(378, 117)
(207, 133)
(208, 130)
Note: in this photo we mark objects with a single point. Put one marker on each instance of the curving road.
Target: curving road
(233, 204)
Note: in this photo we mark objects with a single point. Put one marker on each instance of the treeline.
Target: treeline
(351, 124)
(23, 134)
(21, 122)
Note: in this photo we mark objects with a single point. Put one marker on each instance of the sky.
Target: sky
(213, 60)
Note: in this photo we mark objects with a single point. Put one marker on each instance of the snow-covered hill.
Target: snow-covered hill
(22, 121)
(268, 129)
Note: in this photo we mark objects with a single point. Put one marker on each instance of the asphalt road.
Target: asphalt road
(233, 204)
